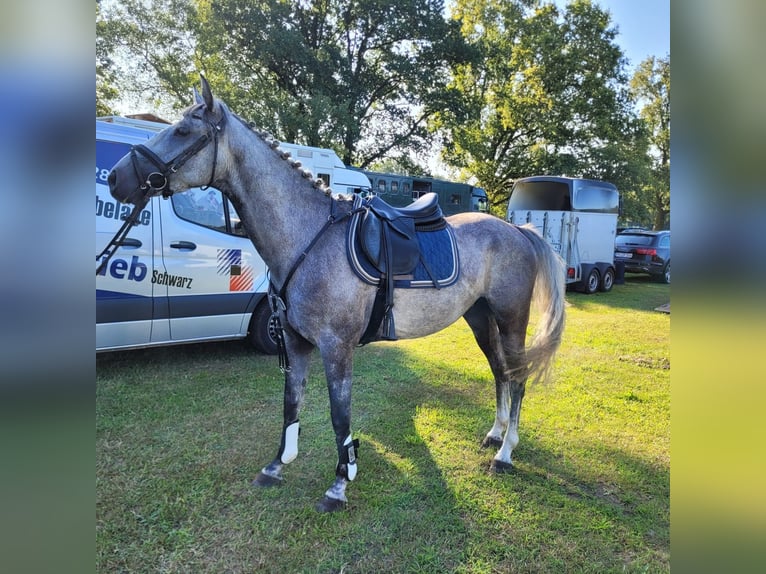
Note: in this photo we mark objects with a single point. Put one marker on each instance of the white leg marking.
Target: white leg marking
(510, 441)
(338, 490)
(502, 415)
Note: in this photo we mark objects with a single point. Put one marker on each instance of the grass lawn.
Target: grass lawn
(181, 432)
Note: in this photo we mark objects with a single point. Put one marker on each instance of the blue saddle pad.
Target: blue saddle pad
(438, 248)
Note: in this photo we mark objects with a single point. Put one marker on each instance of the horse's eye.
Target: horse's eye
(182, 131)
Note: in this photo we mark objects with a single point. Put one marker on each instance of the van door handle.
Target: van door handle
(184, 245)
(129, 242)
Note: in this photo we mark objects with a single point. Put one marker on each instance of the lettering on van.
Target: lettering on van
(113, 210)
(164, 278)
(118, 268)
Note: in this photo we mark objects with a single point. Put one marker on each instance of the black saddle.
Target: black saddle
(388, 238)
(387, 233)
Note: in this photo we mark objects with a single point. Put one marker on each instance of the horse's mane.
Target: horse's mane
(274, 144)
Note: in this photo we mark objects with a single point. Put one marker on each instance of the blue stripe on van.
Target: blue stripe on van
(116, 307)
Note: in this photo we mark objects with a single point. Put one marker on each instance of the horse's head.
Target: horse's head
(178, 158)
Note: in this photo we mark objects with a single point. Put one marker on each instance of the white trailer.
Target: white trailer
(578, 217)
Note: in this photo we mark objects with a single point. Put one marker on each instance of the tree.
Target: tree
(152, 48)
(361, 77)
(546, 96)
(650, 85)
(106, 92)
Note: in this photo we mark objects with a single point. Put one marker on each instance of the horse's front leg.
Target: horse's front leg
(299, 356)
(338, 369)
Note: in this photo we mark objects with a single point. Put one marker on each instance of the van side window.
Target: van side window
(203, 207)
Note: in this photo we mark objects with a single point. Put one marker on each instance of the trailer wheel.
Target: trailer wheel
(261, 335)
(592, 282)
(607, 281)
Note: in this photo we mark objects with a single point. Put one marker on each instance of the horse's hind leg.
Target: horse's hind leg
(299, 354)
(485, 331)
(504, 349)
(513, 344)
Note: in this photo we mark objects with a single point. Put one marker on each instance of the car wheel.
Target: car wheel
(607, 281)
(592, 281)
(666, 274)
(262, 334)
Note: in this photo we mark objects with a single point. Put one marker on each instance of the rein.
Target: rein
(118, 238)
(157, 181)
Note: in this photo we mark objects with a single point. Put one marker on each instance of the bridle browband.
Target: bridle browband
(157, 181)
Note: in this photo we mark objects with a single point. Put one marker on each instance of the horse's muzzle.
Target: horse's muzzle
(123, 184)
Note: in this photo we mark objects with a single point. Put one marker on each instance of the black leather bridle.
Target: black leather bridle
(157, 181)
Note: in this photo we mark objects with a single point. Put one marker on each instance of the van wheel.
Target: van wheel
(607, 281)
(262, 331)
(591, 282)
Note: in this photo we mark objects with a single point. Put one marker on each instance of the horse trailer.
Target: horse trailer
(578, 217)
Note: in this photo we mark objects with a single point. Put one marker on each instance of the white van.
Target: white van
(185, 273)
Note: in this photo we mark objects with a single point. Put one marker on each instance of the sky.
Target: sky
(644, 27)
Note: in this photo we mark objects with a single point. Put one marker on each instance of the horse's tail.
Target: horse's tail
(549, 296)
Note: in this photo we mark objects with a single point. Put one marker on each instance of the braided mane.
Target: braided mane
(285, 155)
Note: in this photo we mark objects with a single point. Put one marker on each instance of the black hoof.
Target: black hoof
(491, 442)
(500, 467)
(330, 505)
(266, 480)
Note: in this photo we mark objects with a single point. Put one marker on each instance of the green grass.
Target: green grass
(182, 431)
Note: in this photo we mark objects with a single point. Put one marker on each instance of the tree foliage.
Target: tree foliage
(650, 86)
(362, 77)
(546, 96)
(106, 75)
(509, 88)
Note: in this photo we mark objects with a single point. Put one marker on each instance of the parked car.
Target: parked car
(644, 252)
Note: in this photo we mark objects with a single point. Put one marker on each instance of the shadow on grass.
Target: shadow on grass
(424, 500)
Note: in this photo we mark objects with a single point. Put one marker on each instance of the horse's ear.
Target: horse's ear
(207, 95)
(197, 96)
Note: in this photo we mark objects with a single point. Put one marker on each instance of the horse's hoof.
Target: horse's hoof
(266, 480)
(328, 504)
(490, 441)
(500, 467)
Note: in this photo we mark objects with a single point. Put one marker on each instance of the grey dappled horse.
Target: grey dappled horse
(289, 217)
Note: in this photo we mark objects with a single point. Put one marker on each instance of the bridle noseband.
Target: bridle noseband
(157, 181)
